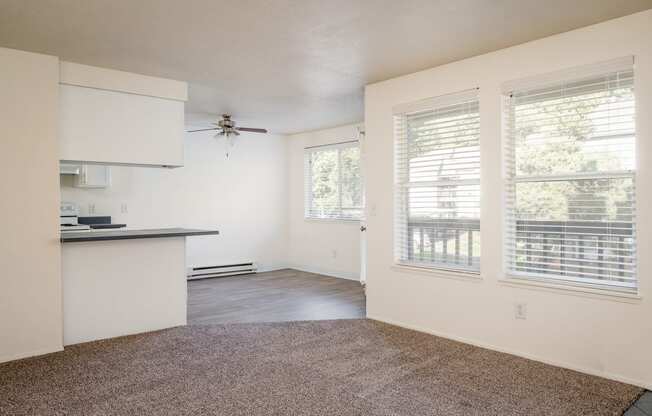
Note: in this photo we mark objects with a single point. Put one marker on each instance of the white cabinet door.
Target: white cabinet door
(93, 176)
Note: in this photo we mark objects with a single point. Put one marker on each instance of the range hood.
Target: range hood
(69, 169)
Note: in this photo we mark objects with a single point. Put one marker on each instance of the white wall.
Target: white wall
(141, 290)
(602, 335)
(244, 197)
(30, 263)
(323, 246)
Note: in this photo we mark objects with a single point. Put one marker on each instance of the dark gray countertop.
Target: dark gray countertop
(122, 234)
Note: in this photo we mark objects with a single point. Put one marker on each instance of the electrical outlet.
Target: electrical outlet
(124, 209)
(91, 209)
(520, 311)
(334, 253)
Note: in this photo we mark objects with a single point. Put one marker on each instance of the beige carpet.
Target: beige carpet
(346, 367)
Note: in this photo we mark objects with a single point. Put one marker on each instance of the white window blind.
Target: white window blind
(570, 180)
(437, 183)
(333, 186)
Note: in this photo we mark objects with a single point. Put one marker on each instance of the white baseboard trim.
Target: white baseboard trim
(326, 272)
(616, 377)
(20, 356)
(271, 267)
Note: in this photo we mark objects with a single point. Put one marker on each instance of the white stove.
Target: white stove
(68, 213)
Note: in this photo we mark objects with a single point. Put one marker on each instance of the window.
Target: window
(333, 187)
(570, 178)
(437, 183)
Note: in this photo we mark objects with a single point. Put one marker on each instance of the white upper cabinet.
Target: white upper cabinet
(116, 117)
(69, 169)
(93, 176)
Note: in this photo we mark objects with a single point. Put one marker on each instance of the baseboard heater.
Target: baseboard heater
(223, 270)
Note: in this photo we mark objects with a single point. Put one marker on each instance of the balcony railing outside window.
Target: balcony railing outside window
(567, 249)
(455, 242)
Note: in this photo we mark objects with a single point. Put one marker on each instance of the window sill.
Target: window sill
(344, 220)
(570, 289)
(440, 273)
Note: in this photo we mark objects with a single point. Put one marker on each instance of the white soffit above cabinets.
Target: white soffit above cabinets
(121, 81)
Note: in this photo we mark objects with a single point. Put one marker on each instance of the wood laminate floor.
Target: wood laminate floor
(282, 295)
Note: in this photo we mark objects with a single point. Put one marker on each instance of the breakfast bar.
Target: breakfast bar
(124, 282)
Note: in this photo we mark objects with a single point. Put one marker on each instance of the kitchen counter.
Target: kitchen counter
(122, 234)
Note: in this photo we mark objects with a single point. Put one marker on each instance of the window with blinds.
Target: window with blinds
(333, 186)
(570, 179)
(437, 183)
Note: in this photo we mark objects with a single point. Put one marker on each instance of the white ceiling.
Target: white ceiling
(287, 65)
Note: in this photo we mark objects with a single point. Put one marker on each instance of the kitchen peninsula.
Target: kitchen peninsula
(119, 281)
(124, 281)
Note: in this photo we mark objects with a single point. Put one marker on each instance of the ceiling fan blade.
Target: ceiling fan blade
(251, 130)
(193, 131)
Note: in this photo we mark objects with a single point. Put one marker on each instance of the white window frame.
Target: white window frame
(510, 181)
(401, 197)
(308, 196)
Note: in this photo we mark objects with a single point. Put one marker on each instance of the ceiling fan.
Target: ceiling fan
(226, 127)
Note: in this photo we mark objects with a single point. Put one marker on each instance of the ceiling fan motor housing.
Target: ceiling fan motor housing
(226, 122)
(227, 125)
